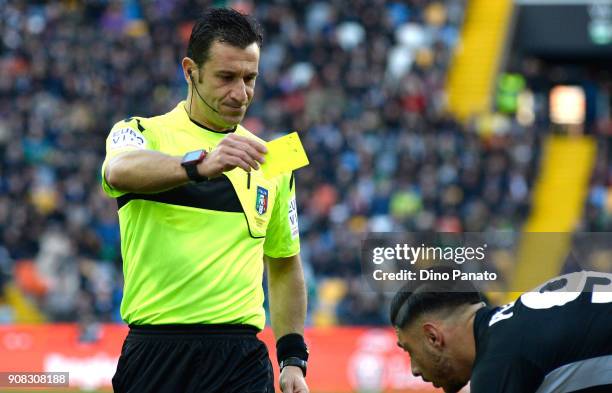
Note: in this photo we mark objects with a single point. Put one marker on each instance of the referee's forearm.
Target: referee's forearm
(287, 295)
(145, 171)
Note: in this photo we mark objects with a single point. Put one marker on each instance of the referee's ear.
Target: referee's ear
(188, 65)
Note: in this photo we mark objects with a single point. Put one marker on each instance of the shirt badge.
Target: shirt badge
(261, 202)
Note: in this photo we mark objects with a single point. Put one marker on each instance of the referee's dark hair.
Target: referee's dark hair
(417, 298)
(224, 25)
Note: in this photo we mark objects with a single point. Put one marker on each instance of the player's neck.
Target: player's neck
(464, 347)
(469, 338)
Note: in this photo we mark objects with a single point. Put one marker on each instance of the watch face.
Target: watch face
(192, 156)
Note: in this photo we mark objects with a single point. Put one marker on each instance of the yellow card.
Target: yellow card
(284, 155)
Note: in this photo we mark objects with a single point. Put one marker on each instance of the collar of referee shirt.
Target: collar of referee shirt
(228, 131)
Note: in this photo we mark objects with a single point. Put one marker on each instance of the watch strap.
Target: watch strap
(293, 361)
(193, 174)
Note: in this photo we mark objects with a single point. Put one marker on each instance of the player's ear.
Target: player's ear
(433, 335)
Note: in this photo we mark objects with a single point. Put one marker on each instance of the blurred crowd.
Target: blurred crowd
(362, 81)
(598, 212)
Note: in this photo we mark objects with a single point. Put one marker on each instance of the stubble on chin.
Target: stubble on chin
(455, 387)
(447, 370)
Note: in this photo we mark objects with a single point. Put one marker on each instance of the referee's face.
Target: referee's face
(226, 84)
(430, 357)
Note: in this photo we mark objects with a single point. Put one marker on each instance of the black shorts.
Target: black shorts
(193, 358)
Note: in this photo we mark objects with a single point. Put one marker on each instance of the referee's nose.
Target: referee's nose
(240, 92)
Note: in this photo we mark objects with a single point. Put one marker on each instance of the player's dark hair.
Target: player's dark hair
(224, 25)
(421, 297)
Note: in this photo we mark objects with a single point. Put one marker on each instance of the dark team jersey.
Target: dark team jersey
(555, 339)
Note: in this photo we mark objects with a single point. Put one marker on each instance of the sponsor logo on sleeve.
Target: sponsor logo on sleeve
(127, 137)
(293, 218)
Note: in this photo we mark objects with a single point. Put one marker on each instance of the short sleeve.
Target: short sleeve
(283, 235)
(126, 135)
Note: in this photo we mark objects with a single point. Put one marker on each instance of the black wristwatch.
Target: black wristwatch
(293, 361)
(190, 163)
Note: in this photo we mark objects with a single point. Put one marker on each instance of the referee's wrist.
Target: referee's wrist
(291, 345)
(291, 350)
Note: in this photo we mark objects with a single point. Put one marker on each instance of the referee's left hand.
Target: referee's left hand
(292, 380)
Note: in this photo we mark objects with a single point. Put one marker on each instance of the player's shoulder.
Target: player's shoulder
(500, 347)
(497, 333)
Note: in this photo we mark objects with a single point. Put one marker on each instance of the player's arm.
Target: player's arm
(149, 171)
(287, 294)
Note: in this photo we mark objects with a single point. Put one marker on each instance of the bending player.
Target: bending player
(557, 338)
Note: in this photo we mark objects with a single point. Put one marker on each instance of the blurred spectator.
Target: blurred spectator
(361, 307)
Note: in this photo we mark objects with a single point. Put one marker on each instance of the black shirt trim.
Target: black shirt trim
(215, 194)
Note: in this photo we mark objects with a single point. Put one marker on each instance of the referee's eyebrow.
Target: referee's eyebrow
(232, 73)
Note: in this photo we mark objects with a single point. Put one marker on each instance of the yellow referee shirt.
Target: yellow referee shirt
(194, 254)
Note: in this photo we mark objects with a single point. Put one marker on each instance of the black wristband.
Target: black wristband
(291, 345)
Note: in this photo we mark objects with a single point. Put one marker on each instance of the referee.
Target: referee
(555, 339)
(198, 220)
